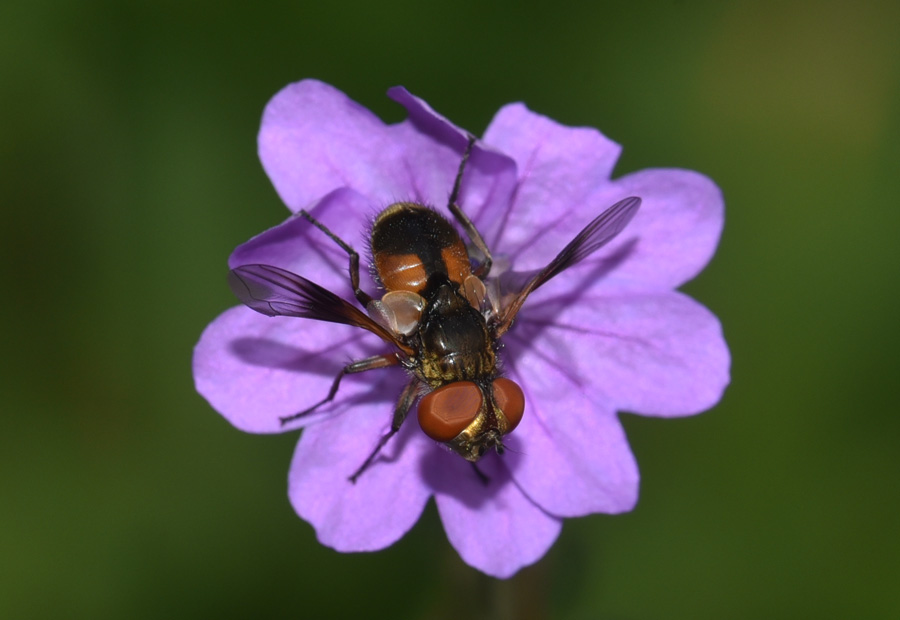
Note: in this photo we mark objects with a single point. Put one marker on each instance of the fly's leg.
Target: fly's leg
(482, 477)
(404, 404)
(369, 363)
(363, 297)
(474, 236)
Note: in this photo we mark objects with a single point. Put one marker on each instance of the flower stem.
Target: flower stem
(466, 592)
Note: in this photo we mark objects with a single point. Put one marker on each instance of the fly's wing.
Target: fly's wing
(277, 292)
(594, 236)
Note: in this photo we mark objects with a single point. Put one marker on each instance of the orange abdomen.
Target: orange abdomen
(411, 242)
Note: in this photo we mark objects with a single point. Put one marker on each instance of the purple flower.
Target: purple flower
(610, 334)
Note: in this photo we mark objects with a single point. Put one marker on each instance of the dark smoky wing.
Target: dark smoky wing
(594, 236)
(277, 292)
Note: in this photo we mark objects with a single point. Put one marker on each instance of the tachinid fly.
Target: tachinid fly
(442, 315)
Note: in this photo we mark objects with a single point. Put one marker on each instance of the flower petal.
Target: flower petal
(492, 525)
(677, 228)
(560, 168)
(383, 504)
(569, 454)
(314, 139)
(435, 147)
(619, 339)
(655, 354)
(300, 247)
(253, 369)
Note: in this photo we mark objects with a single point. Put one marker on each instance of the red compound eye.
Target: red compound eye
(510, 400)
(447, 411)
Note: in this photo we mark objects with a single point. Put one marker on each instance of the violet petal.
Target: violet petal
(559, 170)
(655, 354)
(301, 248)
(253, 369)
(314, 139)
(569, 454)
(384, 503)
(435, 148)
(676, 229)
(492, 525)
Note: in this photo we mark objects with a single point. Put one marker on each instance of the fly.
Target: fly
(442, 315)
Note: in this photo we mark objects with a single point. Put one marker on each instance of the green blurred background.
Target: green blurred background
(129, 172)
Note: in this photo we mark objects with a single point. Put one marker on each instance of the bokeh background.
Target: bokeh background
(128, 172)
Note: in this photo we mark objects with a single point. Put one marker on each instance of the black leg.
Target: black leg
(472, 232)
(404, 404)
(482, 477)
(363, 297)
(370, 363)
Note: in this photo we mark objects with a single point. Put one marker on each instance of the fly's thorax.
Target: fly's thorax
(453, 339)
(437, 370)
